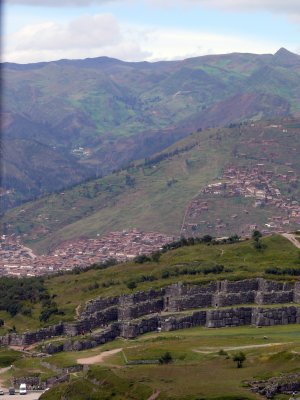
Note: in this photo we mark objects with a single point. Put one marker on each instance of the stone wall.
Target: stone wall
(94, 340)
(215, 318)
(179, 297)
(297, 293)
(229, 317)
(135, 311)
(198, 318)
(103, 312)
(141, 303)
(28, 338)
(223, 299)
(275, 316)
(98, 304)
(130, 330)
(274, 297)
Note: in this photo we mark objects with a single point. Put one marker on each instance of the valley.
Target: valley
(151, 258)
(150, 200)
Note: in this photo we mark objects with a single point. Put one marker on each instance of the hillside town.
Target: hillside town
(18, 260)
(255, 183)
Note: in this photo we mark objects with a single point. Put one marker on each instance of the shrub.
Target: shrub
(141, 259)
(166, 358)
(239, 358)
(131, 285)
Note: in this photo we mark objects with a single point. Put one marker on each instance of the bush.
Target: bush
(165, 274)
(166, 358)
(156, 256)
(239, 358)
(141, 259)
(131, 285)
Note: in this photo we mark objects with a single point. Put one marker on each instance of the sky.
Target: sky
(151, 30)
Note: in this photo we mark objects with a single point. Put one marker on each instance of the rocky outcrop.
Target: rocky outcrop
(287, 384)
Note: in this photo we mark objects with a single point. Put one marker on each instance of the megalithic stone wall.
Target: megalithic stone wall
(230, 317)
(297, 293)
(104, 312)
(275, 316)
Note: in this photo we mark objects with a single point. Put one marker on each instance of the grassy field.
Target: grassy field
(198, 371)
(186, 264)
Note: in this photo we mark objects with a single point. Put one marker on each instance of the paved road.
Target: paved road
(34, 395)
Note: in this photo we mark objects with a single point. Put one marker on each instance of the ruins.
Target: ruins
(218, 304)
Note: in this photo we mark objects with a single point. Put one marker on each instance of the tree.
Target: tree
(234, 238)
(256, 235)
(239, 358)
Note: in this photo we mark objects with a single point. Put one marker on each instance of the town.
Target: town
(20, 261)
(255, 183)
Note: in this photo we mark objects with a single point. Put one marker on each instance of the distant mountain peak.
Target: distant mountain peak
(283, 52)
(284, 56)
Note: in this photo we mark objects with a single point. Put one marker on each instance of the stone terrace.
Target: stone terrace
(219, 304)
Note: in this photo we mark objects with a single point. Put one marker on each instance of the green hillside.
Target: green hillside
(154, 194)
(198, 354)
(194, 264)
(106, 113)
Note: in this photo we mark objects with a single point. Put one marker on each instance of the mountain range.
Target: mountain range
(69, 120)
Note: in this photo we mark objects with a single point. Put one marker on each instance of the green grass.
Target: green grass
(100, 383)
(8, 357)
(192, 375)
(241, 258)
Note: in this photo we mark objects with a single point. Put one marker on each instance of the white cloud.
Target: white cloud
(179, 44)
(86, 36)
(91, 31)
(103, 35)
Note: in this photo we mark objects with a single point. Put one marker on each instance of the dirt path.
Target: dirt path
(292, 239)
(251, 346)
(155, 395)
(99, 358)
